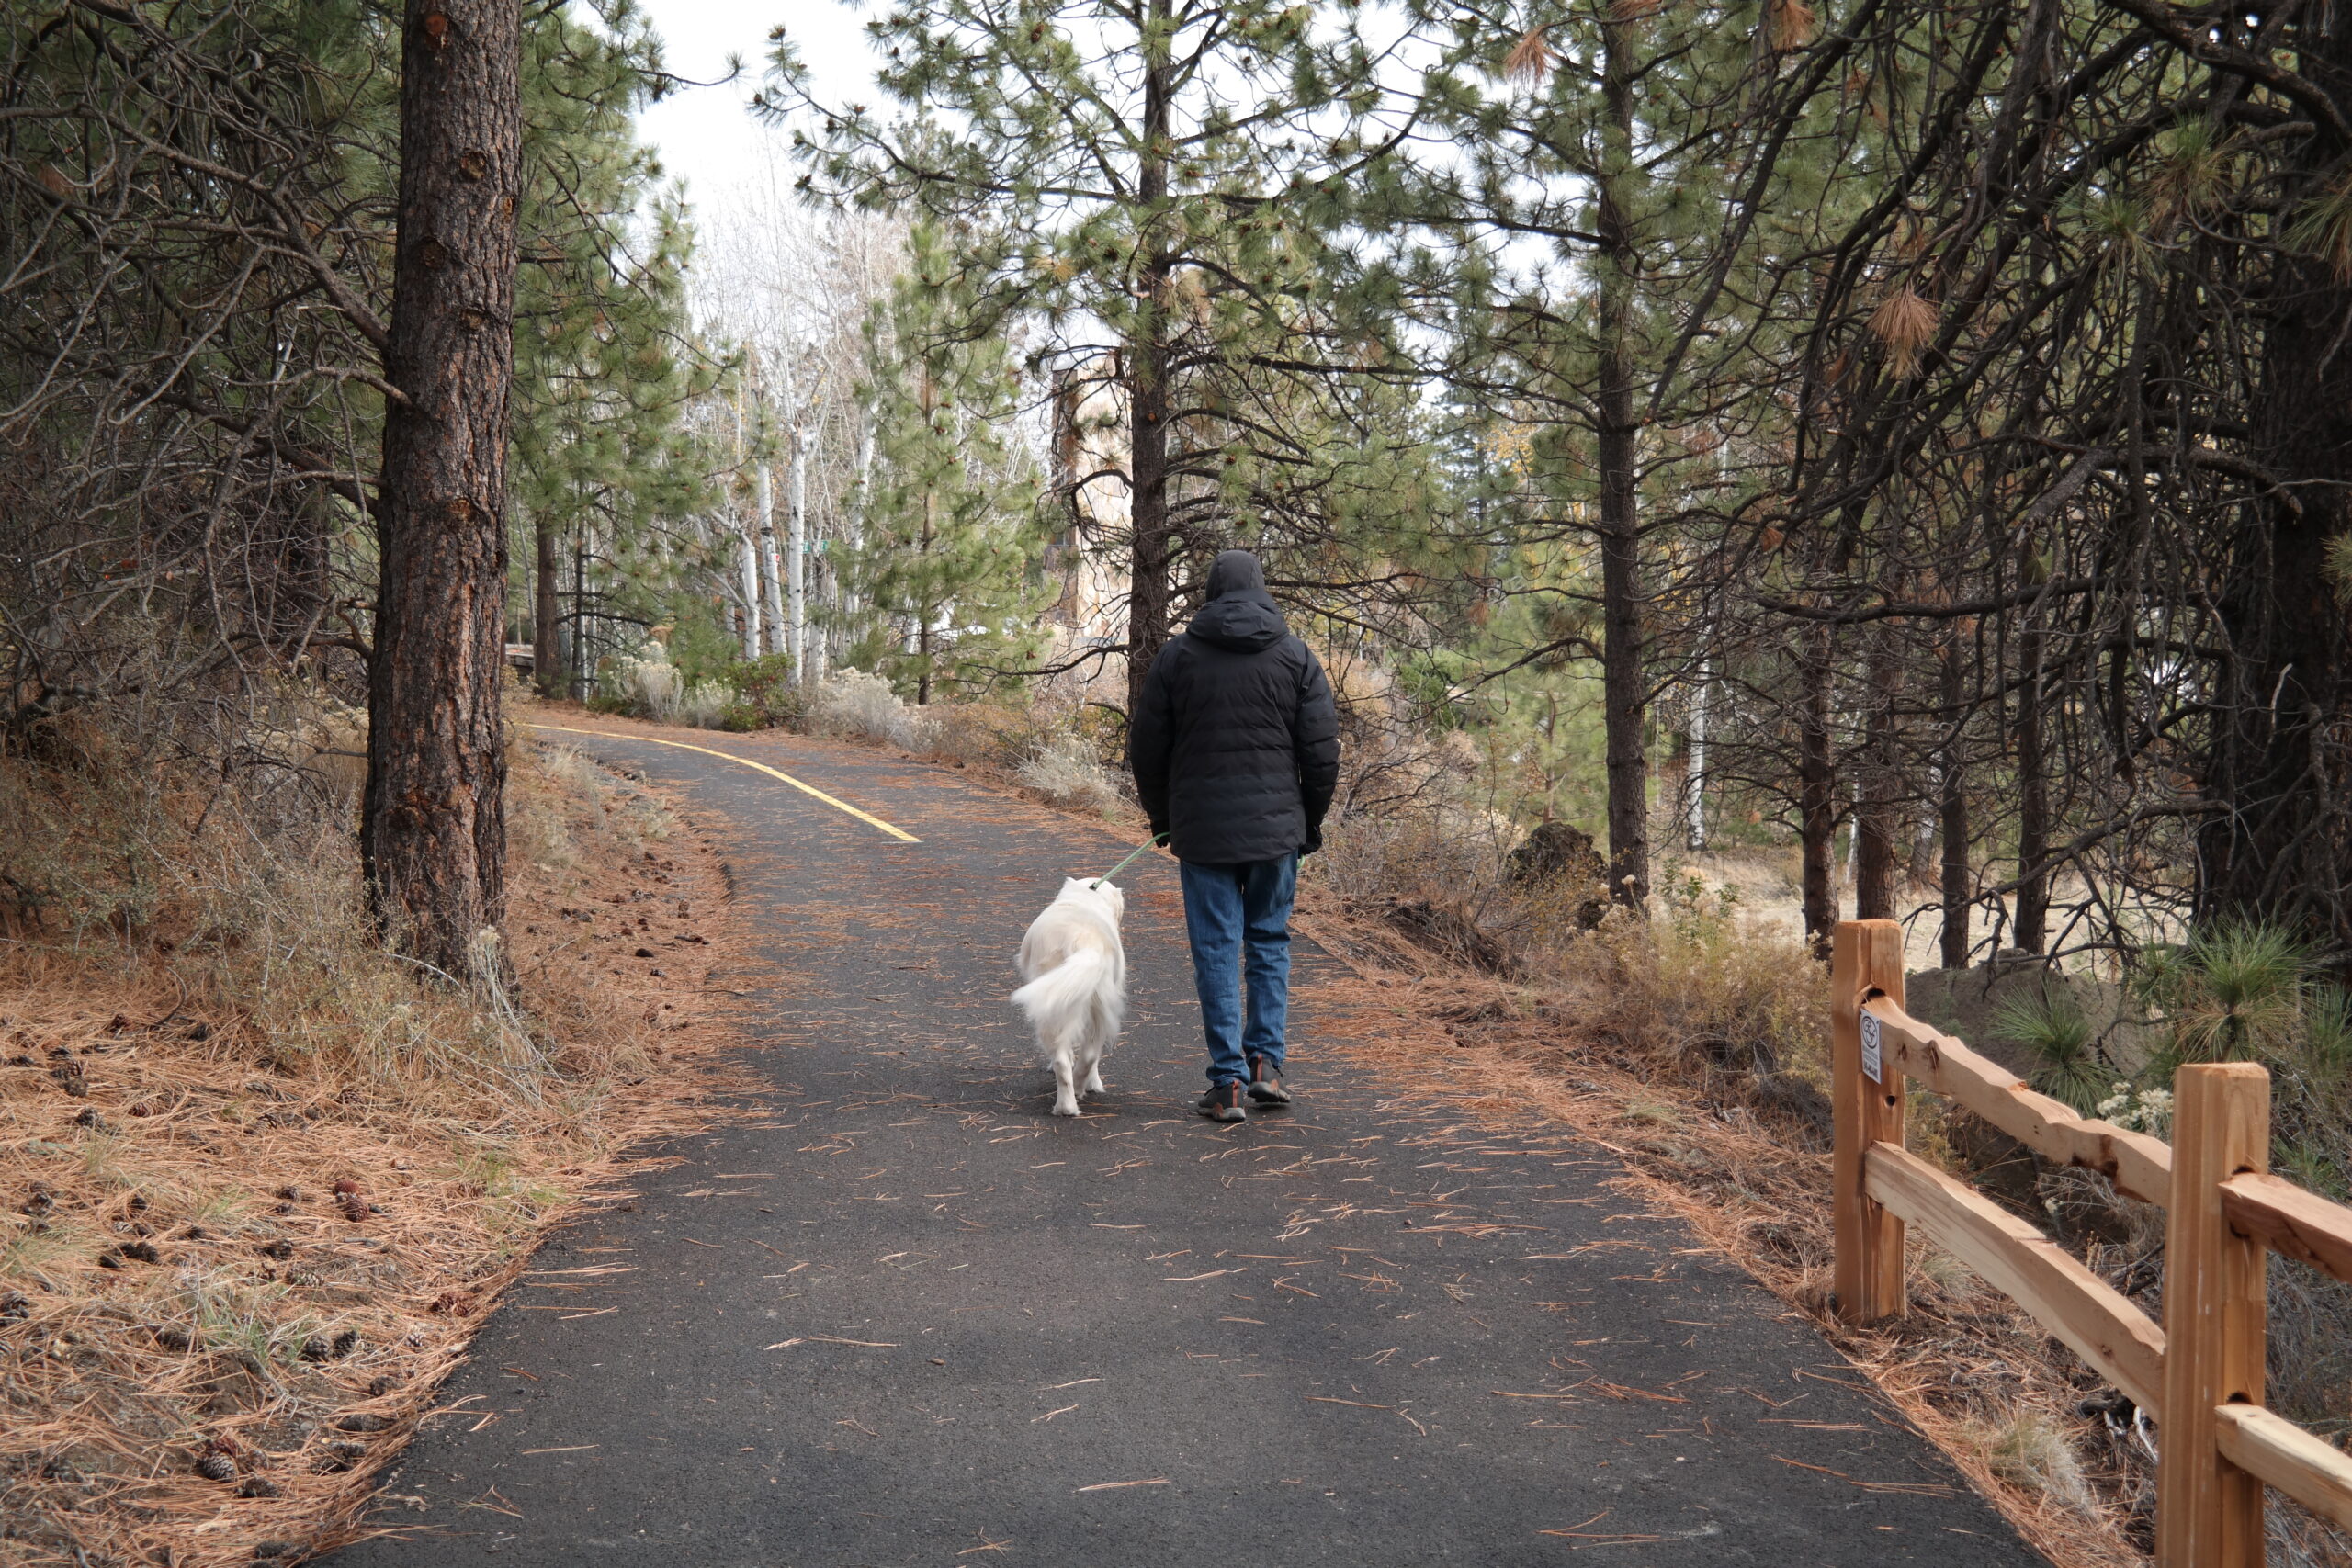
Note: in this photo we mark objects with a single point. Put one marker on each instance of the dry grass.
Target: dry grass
(260, 1181)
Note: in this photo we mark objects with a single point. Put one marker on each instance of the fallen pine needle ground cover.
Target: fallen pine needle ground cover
(259, 1181)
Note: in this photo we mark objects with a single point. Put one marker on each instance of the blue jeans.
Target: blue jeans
(1238, 919)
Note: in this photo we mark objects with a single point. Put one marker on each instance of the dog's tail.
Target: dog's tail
(1060, 992)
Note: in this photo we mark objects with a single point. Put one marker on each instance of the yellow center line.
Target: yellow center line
(898, 833)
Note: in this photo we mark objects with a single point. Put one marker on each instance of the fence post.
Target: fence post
(2208, 1512)
(1866, 958)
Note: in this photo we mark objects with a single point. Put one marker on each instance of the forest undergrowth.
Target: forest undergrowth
(259, 1178)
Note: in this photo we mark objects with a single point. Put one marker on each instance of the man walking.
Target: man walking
(1236, 752)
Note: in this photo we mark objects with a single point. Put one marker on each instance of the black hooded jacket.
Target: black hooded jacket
(1236, 743)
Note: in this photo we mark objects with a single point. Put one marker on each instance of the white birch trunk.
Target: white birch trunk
(796, 560)
(749, 560)
(770, 587)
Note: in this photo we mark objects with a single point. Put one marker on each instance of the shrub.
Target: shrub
(864, 707)
(647, 687)
(2050, 1025)
(1066, 770)
(705, 704)
(991, 735)
(763, 696)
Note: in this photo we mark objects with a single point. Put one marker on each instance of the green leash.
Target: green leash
(1131, 856)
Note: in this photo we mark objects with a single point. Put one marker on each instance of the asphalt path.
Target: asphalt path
(907, 1317)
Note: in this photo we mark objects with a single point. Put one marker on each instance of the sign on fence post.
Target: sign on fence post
(1871, 1062)
(1866, 959)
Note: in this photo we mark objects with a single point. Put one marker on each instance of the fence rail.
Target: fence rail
(2200, 1374)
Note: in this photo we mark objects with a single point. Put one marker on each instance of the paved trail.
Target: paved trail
(911, 1319)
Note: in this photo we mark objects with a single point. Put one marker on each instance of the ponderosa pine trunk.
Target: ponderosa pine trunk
(433, 829)
(1153, 553)
(1875, 847)
(1623, 677)
(547, 608)
(2033, 796)
(1816, 791)
(1954, 811)
(2282, 758)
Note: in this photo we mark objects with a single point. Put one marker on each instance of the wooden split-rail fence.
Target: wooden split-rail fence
(2200, 1373)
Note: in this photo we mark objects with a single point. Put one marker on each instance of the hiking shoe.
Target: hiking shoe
(1265, 1084)
(1223, 1103)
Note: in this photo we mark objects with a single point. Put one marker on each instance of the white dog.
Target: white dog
(1076, 992)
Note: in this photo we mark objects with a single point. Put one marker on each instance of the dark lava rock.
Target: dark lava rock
(1557, 854)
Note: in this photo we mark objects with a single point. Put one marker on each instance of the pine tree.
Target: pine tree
(433, 826)
(1594, 257)
(952, 526)
(1142, 166)
(605, 463)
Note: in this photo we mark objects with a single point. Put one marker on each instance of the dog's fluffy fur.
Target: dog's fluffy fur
(1076, 992)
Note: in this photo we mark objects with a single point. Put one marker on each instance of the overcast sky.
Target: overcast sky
(706, 135)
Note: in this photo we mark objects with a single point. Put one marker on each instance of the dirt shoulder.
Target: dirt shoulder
(256, 1203)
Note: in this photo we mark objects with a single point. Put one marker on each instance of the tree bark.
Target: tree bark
(433, 829)
(1816, 791)
(2033, 796)
(1956, 889)
(547, 608)
(771, 626)
(1152, 555)
(575, 642)
(1875, 831)
(1694, 831)
(1623, 677)
(926, 609)
(2282, 758)
(796, 566)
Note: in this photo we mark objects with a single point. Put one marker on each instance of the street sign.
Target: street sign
(1872, 1064)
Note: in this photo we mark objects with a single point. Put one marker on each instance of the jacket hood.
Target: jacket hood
(1240, 614)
